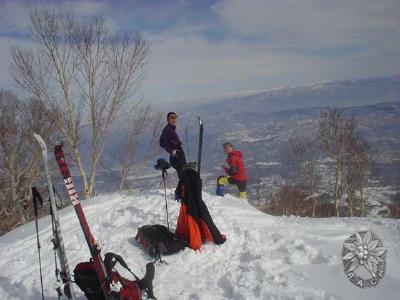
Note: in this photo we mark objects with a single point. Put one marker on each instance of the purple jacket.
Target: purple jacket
(169, 139)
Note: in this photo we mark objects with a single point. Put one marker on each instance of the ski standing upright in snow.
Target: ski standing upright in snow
(64, 275)
(92, 244)
(201, 129)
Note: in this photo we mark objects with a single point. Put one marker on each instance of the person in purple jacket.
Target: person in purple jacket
(170, 141)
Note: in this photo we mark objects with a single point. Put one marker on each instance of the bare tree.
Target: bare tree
(357, 169)
(396, 200)
(19, 157)
(303, 156)
(289, 200)
(350, 154)
(145, 120)
(84, 75)
(333, 136)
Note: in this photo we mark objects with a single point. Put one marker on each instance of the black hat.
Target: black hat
(162, 164)
(227, 144)
(171, 113)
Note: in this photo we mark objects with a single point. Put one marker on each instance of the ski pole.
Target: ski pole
(36, 197)
(165, 196)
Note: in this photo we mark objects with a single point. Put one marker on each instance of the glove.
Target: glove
(115, 287)
(225, 166)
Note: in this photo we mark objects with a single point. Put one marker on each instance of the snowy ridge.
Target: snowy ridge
(265, 257)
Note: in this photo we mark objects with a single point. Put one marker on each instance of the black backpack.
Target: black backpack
(158, 240)
(86, 278)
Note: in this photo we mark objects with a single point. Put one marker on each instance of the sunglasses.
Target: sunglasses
(172, 117)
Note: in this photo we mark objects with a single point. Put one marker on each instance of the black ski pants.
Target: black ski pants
(240, 184)
(178, 161)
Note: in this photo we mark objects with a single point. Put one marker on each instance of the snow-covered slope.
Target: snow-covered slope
(264, 257)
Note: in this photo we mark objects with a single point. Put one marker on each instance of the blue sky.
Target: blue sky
(212, 49)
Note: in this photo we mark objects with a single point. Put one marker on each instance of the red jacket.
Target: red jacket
(237, 169)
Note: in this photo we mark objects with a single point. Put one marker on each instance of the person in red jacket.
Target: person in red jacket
(235, 169)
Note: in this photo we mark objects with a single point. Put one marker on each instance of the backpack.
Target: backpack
(86, 278)
(158, 240)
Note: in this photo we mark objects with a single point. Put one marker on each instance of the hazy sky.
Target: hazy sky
(207, 49)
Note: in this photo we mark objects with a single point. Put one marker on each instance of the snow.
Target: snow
(264, 257)
(268, 164)
(246, 136)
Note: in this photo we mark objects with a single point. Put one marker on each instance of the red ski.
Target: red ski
(91, 242)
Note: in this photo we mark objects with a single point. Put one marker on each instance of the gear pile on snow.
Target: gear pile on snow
(97, 278)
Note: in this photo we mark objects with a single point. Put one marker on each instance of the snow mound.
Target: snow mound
(264, 257)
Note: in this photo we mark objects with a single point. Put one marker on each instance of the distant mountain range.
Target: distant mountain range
(338, 93)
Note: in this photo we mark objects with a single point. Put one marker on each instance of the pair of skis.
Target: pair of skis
(57, 240)
(200, 144)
